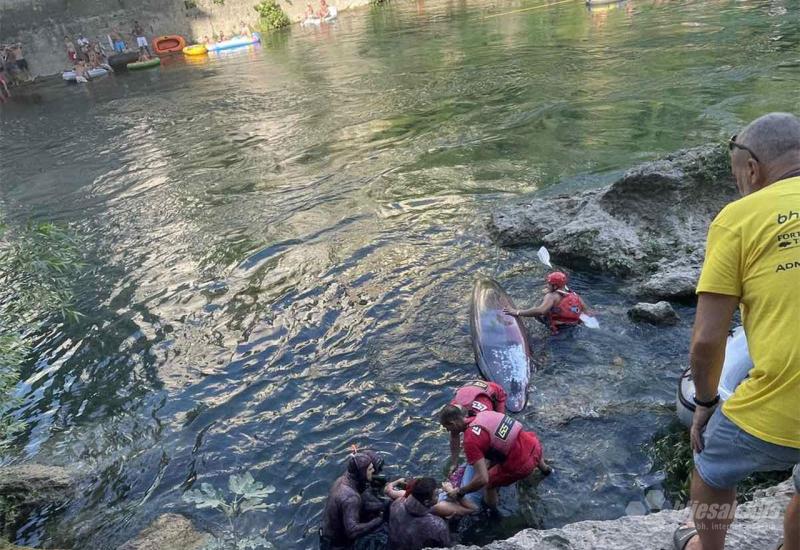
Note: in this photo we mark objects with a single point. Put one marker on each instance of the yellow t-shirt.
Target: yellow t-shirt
(753, 252)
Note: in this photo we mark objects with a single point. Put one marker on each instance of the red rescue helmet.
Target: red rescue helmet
(557, 279)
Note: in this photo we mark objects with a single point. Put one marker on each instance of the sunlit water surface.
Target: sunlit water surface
(282, 243)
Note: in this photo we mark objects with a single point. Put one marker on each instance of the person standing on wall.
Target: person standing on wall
(752, 262)
(141, 39)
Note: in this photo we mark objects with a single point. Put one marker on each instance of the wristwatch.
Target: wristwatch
(706, 404)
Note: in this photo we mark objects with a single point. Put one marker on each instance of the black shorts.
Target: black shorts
(22, 65)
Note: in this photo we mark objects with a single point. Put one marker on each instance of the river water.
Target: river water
(281, 244)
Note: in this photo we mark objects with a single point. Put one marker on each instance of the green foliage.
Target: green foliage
(271, 15)
(248, 495)
(378, 2)
(218, 2)
(672, 453)
(38, 266)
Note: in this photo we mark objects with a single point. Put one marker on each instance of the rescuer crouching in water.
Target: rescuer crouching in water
(498, 449)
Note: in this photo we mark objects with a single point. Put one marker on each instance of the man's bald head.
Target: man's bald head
(766, 151)
(772, 137)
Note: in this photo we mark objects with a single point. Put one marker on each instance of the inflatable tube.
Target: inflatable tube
(195, 49)
(163, 45)
(736, 367)
(500, 343)
(234, 42)
(121, 60)
(70, 76)
(154, 62)
(602, 2)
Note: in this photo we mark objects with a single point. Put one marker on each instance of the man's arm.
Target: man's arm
(499, 397)
(479, 480)
(455, 448)
(546, 305)
(392, 491)
(707, 353)
(351, 509)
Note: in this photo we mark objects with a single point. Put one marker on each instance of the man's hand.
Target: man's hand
(699, 421)
(512, 312)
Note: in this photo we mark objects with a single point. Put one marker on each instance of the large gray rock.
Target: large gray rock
(758, 524)
(648, 227)
(168, 532)
(660, 313)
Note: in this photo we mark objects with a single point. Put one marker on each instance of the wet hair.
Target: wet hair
(423, 489)
(771, 136)
(449, 413)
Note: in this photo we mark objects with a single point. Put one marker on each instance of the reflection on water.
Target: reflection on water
(284, 241)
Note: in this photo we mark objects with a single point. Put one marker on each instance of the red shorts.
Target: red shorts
(516, 468)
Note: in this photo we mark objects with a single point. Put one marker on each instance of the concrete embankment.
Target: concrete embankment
(41, 25)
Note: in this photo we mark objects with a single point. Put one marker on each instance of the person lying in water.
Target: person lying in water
(560, 306)
(442, 506)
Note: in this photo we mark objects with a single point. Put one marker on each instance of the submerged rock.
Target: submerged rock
(758, 524)
(660, 313)
(168, 532)
(648, 227)
(29, 487)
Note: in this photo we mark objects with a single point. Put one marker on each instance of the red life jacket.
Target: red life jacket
(503, 430)
(567, 312)
(467, 396)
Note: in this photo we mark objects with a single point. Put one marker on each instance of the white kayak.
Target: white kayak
(70, 76)
(736, 367)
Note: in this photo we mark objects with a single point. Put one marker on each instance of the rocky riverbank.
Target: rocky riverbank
(647, 228)
(758, 524)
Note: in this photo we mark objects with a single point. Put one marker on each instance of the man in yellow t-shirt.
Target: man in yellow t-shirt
(753, 262)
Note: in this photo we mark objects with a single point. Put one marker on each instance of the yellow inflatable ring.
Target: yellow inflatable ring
(195, 49)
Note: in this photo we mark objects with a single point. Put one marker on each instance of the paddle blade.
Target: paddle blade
(589, 321)
(544, 256)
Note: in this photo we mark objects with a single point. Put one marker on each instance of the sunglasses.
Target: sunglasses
(733, 145)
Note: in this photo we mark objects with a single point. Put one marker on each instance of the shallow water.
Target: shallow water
(282, 243)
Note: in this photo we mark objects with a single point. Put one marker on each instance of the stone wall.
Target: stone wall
(40, 25)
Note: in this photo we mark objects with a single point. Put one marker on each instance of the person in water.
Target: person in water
(323, 9)
(341, 524)
(413, 525)
(560, 306)
(473, 398)
(373, 503)
(497, 447)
